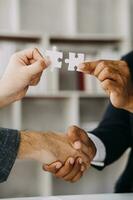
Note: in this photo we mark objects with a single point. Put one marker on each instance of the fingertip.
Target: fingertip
(71, 161)
(58, 165)
(77, 145)
(44, 167)
(80, 161)
(73, 133)
(71, 129)
(82, 168)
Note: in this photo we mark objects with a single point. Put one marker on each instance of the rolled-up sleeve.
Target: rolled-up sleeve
(9, 144)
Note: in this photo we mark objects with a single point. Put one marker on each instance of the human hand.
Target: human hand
(72, 170)
(115, 79)
(47, 147)
(24, 69)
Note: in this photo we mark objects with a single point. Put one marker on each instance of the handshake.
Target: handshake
(67, 156)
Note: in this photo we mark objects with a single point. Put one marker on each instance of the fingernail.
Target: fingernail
(80, 161)
(82, 168)
(77, 145)
(71, 161)
(58, 165)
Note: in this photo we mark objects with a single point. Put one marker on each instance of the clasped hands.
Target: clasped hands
(67, 156)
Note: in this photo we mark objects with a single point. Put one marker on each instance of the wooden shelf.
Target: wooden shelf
(18, 37)
(86, 39)
(65, 95)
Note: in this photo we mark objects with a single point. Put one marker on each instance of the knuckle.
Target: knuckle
(108, 70)
(102, 63)
(107, 82)
(73, 128)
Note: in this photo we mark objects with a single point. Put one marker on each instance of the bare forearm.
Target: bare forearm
(5, 97)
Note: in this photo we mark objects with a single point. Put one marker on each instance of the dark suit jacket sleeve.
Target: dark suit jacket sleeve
(114, 131)
(9, 144)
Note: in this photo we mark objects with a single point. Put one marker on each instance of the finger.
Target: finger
(111, 65)
(66, 169)
(77, 177)
(75, 134)
(31, 54)
(31, 61)
(75, 170)
(53, 168)
(110, 85)
(77, 137)
(108, 73)
(87, 151)
(35, 80)
(80, 174)
(36, 67)
(88, 67)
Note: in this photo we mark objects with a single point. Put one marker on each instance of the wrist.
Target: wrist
(5, 98)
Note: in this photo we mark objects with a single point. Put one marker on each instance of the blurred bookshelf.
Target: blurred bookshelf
(63, 98)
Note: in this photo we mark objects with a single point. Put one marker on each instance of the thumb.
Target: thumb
(77, 137)
(74, 136)
(37, 67)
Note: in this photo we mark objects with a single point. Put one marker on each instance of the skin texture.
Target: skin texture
(24, 69)
(47, 147)
(72, 170)
(115, 79)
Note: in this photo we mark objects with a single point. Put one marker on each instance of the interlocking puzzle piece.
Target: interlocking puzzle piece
(55, 58)
(74, 60)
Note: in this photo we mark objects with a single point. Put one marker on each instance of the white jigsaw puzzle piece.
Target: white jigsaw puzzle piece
(74, 60)
(54, 57)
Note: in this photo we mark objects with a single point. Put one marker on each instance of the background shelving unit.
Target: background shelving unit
(60, 101)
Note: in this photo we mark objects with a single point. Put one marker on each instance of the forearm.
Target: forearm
(5, 97)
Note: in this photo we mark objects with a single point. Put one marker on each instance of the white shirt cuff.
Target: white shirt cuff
(99, 158)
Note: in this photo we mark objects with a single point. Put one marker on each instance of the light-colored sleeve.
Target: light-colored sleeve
(101, 151)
